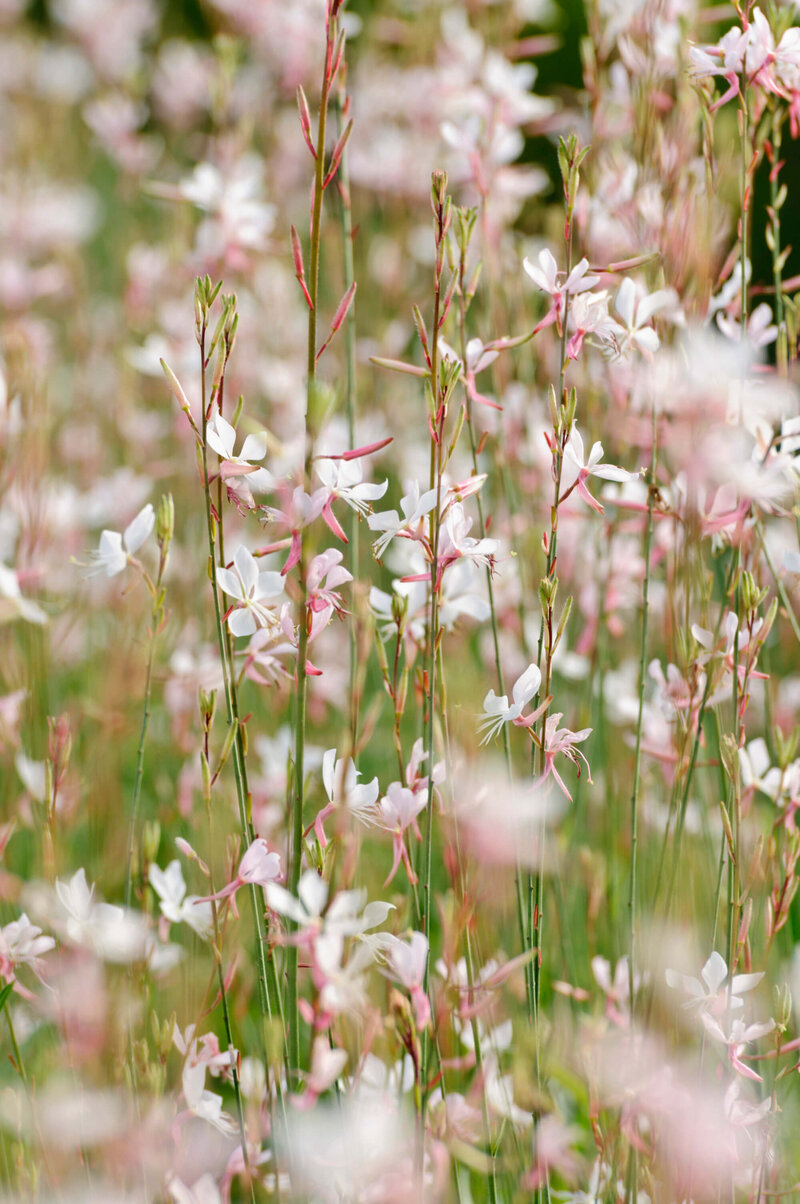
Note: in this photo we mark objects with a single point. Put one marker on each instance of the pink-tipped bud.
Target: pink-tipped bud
(337, 154)
(299, 270)
(357, 452)
(305, 119)
(339, 316)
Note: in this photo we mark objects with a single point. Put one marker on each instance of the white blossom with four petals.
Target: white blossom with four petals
(250, 589)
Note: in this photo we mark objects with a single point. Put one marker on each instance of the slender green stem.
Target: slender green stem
(637, 756)
(301, 697)
(631, 1188)
(346, 220)
(155, 620)
(779, 585)
(265, 966)
(441, 204)
(14, 1046)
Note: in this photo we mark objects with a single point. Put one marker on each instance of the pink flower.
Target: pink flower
(323, 600)
(407, 961)
(737, 1040)
(397, 811)
(574, 453)
(546, 277)
(562, 741)
(258, 867)
(22, 944)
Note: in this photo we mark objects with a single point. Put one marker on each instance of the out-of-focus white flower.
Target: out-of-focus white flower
(116, 549)
(22, 944)
(176, 906)
(203, 1191)
(635, 315)
(346, 915)
(115, 934)
(13, 604)
(708, 992)
(33, 775)
(353, 1151)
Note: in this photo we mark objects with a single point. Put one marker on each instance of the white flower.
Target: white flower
(176, 905)
(340, 779)
(577, 468)
(635, 316)
(221, 436)
(115, 550)
(414, 508)
(344, 915)
(13, 603)
(249, 587)
(546, 276)
(345, 479)
(115, 934)
(708, 994)
(22, 943)
(496, 711)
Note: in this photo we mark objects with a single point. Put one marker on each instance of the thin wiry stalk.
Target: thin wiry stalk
(265, 966)
(441, 218)
(648, 542)
(473, 446)
(156, 619)
(631, 1190)
(350, 397)
(468, 956)
(774, 241)
(684, 799)
(301, 697)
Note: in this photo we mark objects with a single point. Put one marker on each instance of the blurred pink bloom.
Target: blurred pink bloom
(22, 944)
(397, 811)
(407, 962)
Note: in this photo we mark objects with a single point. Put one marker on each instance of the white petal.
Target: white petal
(527, 685)
(253, 448)
(329, 771)
(137, 531)
(247, 568)
(221, 436)
(313, 892)
(229, 582)
(714, 972)
(269, 585)
(647, 339)
(626, 300)
(241, 622)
